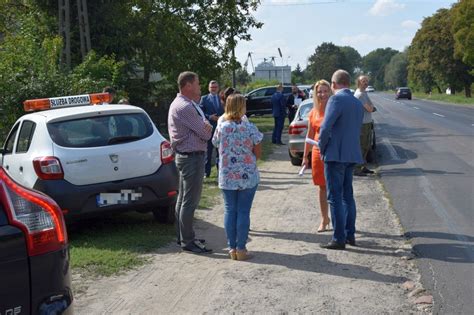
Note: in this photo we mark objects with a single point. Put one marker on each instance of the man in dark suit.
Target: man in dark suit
(212, 107)
(293, 102)
(279, 114)
(339, 143)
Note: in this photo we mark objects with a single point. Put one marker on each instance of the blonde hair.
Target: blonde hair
(235, 107)
(316, 103)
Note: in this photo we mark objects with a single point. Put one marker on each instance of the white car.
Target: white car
(370, 88)
(93, 159)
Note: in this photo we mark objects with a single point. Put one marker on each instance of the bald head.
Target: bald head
(341, 78)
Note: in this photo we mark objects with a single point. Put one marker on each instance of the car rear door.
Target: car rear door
(14, 266)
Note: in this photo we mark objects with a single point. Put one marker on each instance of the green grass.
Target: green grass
(459, 98)
(263, 123)
(109, 245)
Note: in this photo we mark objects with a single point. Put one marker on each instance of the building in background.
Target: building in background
(269, 71)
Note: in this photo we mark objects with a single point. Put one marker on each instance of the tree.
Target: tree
(396, 72)
(326, 59)
(352, 59)
(434, 43)
(463, 31)
(374, 64)
(297, 74)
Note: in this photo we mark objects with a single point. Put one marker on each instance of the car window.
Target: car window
(304, 110)
(270, 91)
(8, 147)
(100, 131)
(26, 134)
(258, 93)
(287, 90)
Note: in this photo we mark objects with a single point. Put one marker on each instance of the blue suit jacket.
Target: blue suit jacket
(339, 137)
(209, 109)
(278, 104)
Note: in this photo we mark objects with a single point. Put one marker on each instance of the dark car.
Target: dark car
(259, 101)
(34, 253)
(403, 92)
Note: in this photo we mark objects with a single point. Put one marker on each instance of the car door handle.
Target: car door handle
(21, 169)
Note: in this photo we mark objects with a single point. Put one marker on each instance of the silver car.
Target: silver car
(297, 132)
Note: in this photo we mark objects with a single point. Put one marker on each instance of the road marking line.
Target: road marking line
(391, 150)
(415, 107)
(438, 115)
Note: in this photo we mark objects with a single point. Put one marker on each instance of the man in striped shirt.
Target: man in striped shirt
(189, 132)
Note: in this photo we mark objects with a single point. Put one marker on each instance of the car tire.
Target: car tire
(165, 214)
(296, 161)
(409, 98)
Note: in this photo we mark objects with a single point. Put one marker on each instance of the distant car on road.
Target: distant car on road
(93, 159)
(370, 88)
(403, 92)
(34, 254)
(259, 101)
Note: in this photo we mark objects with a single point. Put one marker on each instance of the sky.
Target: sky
(297, 27)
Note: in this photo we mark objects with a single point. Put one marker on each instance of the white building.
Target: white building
(268, 71)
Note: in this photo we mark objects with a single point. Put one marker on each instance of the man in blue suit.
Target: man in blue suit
(339, 143)
(212, 107)
(279, 114)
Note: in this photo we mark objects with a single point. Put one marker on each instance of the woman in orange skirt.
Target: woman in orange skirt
(322, 91)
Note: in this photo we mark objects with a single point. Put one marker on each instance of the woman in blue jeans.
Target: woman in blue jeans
(239, 144)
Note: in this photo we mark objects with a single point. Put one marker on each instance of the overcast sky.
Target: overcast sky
(297, 27)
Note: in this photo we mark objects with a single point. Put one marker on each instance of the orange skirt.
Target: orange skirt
(317, 168)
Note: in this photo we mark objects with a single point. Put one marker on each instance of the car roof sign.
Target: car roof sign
(66, 101)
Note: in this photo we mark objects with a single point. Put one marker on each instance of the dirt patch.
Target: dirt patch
(289, 273)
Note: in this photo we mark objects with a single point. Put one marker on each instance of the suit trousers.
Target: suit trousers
(278, 128)
(210, 148)
(191, 173)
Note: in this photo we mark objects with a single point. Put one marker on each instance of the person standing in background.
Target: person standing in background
(239, 144)
(279, 114)
(367, 124)
(294, 100)
(189, 133)
(339, 143)
(322, 91)
(213, 109)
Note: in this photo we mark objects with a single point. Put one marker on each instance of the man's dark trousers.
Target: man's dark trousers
(278, 128)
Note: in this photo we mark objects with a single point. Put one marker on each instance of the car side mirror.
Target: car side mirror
(248, 97)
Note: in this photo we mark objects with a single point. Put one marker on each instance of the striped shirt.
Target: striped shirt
(186, 127)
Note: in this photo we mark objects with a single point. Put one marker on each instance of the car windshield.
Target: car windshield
(304, 110)
(100, 131)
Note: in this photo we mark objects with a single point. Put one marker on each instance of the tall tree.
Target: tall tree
(396, 71)
(374, 64)
(326, 59)
(352, 58)
(463, 31)
(434, 43)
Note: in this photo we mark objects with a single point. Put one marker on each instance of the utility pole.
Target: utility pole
(84, 32)
(65, 31)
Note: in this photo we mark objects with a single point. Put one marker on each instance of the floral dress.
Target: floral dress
(237, 162)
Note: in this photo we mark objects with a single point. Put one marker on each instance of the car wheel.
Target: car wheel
(296, 161)
(165, 214)
(409, 98)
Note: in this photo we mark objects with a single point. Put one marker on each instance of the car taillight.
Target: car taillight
(48, 167)
(296, 129)
(37, 215)
(166, 153)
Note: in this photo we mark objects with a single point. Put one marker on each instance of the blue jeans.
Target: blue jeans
(278, 128)
(237, 205)
(191, 172)
(341, 199)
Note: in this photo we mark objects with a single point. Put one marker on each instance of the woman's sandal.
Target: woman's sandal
(243, 255)
(233, 254)
(324, 227)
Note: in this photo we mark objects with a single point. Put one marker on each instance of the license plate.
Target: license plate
(125, 196)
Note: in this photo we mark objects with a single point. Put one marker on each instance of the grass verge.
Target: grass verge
(108, 245)
(458, 99)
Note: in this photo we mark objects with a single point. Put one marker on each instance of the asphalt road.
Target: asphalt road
(425, 154)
